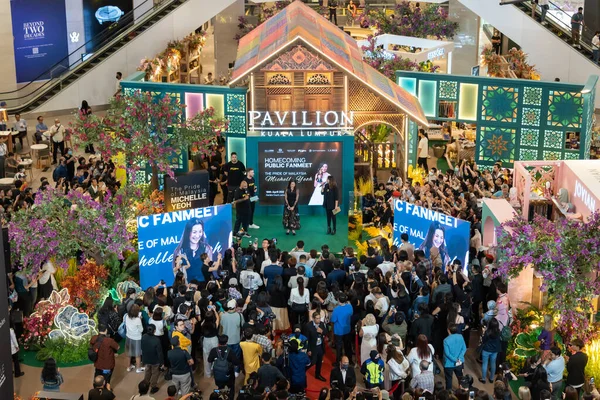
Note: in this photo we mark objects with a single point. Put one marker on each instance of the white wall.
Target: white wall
(552, 57)
(8, 74)
(98, 84)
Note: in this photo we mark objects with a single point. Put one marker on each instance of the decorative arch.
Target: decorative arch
(399, 144)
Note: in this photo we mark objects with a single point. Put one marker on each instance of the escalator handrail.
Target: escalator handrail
(105, 40)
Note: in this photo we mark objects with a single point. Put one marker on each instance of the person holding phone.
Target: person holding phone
(330, 203)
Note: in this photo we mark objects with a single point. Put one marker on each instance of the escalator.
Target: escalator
(132, 25)
(548, 46)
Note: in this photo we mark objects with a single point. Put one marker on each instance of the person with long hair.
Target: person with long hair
(524, 393)
(436, 237)
(51, 377)
(133, 342)
(490, 347)
(331, 200)
(277, 293)
(299, 301)
(109, 317)
(319, 181)
(84, 111)
(540, 384)
(422, 351)
(193, 244)
(291, 218)
(399, 368)
(210, 333)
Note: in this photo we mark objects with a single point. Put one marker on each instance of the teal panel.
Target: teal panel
(237, 145)
(408, 84)
(428, 97)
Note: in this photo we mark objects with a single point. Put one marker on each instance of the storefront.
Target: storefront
(507, 120)
(415, 49)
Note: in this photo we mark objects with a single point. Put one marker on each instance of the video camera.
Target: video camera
(223, 393)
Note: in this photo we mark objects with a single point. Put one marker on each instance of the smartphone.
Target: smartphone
(251, 293)
(421, 398)
(267, 389)
(162, 281)
(209, 297)
(591, 380)
(471, 394)
(217, 391)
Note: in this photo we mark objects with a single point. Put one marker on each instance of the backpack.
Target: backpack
(93, 350)
(220, 366)
(122, 310)
(55, 176)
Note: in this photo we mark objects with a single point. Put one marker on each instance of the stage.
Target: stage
(313, 232)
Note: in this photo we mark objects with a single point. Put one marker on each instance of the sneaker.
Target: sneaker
(130, 368)
(254, 226)
(140, 370)
(246, 234)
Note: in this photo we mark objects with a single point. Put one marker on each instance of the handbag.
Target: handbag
(122, 329)
(299, 307)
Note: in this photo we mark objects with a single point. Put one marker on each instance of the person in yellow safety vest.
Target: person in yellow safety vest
(297, 336)
(373, 369)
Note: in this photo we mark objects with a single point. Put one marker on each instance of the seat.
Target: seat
(44, 154)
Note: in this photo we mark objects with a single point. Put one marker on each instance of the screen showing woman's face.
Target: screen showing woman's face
(324, 168)
(196, 234)
(438, 238)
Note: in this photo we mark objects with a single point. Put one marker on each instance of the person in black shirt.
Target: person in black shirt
(100, 390)
(221, 351)
(291, 220)
(243, 210)
(251, 192)
(181, 363)
(234, 173)
(330, 202)
(214, 171)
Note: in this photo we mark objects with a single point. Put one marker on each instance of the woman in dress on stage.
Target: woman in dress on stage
(320, 180)
(291, 219)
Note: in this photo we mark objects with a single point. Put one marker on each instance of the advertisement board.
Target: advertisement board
(427, 229)
(163, 238)
(308, 163)
(100, 15)
(40, 38)
(187, 191)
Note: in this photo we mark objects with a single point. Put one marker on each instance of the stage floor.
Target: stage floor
(313, 232)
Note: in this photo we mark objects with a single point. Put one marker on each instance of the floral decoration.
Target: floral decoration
(85, 287)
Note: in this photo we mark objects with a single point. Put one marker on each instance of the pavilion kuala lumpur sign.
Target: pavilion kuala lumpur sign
(301, 123)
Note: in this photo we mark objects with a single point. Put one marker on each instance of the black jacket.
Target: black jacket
(575, 368)
(477, 285)
(330, 196)
(345, 386)
(312, 336)
(152, 353)
(422, 325)
(268, 375)
(231, 357)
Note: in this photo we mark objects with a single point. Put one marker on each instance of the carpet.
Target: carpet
(313, 232)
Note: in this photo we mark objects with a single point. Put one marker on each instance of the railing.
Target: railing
(84, 55)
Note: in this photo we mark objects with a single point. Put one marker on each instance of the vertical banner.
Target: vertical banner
(6, 366)
(187, 191)
(186, 234)
(40, 38)
(428, 229)
(308, 163)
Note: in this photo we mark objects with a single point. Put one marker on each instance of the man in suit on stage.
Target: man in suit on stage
(316, 331)
(343, 377)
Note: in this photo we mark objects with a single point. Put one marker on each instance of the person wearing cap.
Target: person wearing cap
(231, 325)
(372, 369)
(181, 363)
(298, 337)
(233, 292)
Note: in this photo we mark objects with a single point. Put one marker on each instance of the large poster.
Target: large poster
(181, 237)
(430, 230)
(308, 163)
(100, 15)
(186, 191)
(40, 38)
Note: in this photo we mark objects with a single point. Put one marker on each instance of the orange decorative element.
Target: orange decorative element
(85, 287)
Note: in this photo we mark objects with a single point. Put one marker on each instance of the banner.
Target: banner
(162, 238)
(100, 15)
(308, 163)
(40, 38)
(428, 229)
(187, 191)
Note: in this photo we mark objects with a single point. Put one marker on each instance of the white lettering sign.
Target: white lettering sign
(301, 119)
(436, 53)
(33, 30)
(582, 194)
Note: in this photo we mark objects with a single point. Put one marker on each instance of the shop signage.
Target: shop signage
(303, 133)
(586, 197)
(436, 53)
(300, 120)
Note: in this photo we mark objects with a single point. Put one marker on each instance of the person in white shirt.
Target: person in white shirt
(293, 282)
(209, 80)
(250, 280)
(133, 341)
(57, 133)
(299, 301)
(21, 127)
(423, 150)
(118, 83)
(298, 251)
(545, 7)
(595, 46)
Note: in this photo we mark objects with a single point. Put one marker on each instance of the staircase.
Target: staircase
(34, 95)
(550, 51)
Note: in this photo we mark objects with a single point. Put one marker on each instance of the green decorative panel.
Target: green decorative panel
(551, 155)
(531, 116)
(571, 155)
(554, 139)
(532, 96)
(175, 96)
(237, 124)
(467, 104)
(216, 101)
(496, 144)
(528, 154)
(565, 109)
(499, 104)
(427, 97)
(448, 90)
(530, 137)
(236, 103)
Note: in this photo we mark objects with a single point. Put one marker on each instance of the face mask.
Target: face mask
(345, 366)
(70, 152)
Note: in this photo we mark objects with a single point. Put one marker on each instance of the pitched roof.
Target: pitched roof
(299, 22)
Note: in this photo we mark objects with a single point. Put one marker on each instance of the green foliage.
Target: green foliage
(65, 351)
(120, 270)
